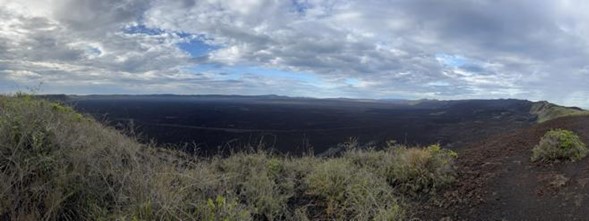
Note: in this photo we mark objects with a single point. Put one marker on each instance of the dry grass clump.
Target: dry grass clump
(348, 192)
(559, 145)
(409, 170)
(422, 169)
(260, 181)
(56, 164)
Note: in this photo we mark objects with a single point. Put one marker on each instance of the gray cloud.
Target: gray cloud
(448, 49)
(61, 50)
(393, 45)
(97, 16)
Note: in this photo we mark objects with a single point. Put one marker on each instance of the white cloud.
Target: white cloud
(523, 49)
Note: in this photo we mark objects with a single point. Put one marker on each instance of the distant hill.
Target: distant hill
(547, 111)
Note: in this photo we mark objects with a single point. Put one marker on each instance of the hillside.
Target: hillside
(56, 164)
(498, 181)
(547, 111)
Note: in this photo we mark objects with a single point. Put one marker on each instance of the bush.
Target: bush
(422, 169)
(557, 145)
(222, 209)
(352, 193)
(410, 170)
(259, 181)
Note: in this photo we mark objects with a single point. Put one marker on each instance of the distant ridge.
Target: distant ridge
(268, 96)
(547, 111)
(544, 110)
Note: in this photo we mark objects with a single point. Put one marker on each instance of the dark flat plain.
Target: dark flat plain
(216, 123)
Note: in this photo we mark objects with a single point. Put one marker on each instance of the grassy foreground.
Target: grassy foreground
(56, 164)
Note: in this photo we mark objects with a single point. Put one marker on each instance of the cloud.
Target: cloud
(64, 50)
(91, 15)
(449, 49)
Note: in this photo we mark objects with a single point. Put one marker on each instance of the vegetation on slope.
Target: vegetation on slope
(559, 145)
(548, 111)
(56, 164)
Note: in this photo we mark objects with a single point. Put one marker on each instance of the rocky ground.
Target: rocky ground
(497, 180)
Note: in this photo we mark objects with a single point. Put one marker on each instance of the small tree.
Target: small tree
(558, 145)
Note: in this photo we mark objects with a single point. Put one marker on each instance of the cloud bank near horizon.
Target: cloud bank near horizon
(448, 49)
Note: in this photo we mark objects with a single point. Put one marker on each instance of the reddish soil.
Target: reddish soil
(497, 180)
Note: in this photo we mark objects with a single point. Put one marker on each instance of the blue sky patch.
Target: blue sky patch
(193, 44)
(461, 62)
(197, 47)
(454, 61)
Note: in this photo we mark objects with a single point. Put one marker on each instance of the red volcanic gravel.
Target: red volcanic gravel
(497, 180)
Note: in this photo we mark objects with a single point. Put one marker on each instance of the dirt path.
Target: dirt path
(497, 181)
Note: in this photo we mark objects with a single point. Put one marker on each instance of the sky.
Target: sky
(381, 49)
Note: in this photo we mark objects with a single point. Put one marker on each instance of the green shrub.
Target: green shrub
(260, 181)
(410, 170)
(417, 170)
(222, 209)
(377, 161)
(352, 193)
(557, 145)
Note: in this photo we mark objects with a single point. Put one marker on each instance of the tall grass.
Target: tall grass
(56, 164)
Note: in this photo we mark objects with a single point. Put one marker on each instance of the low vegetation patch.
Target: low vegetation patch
(422, 169)
(546, 111)
(559, 145)
(347, 192)
(56, 164)
(410, 170)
